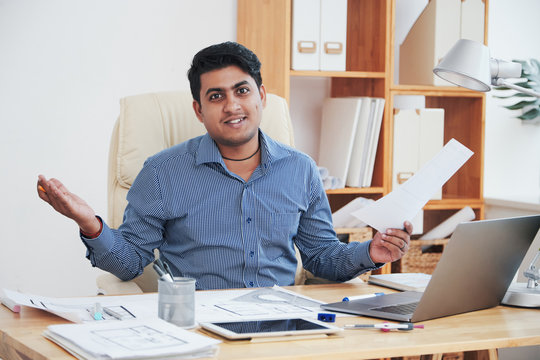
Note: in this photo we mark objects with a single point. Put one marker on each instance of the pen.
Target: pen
(41, 189)
(385, 326)
(162, 274)
(351, 298)
(112, 313)
(168, 269)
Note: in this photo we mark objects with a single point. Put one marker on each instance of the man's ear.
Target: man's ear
(262, 92)
(197, 109)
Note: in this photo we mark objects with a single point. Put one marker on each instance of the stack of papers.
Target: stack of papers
(131, 339)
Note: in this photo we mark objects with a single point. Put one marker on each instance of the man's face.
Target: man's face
(231, 106)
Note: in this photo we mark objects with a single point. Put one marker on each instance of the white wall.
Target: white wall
(64, 65)
(512, 148)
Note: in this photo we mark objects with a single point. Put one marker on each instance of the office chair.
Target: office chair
(147, 124)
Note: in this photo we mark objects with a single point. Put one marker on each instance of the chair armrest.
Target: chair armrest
(108, 284)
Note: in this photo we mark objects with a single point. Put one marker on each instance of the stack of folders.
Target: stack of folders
(349, 137)
(131, 339)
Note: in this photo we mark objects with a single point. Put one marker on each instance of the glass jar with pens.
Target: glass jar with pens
(176, 297)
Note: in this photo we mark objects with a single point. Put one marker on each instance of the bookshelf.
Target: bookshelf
(265, 27)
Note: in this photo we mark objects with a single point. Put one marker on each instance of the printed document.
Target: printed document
(216, 305)
(132, 339)
(408, 199)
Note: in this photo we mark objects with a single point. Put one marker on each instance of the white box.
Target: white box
(418, 137)
(472, 20)
(306, 29)
(435, 31)
(333, 40)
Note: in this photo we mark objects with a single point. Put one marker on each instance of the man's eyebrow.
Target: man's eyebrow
(235, 86)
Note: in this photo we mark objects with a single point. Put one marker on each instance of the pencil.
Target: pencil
(40, 188)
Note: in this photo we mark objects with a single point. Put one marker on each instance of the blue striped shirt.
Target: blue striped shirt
(210, 224)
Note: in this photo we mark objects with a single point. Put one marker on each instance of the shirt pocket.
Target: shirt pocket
(277, 232)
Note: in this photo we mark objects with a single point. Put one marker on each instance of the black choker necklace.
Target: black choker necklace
(249, 157)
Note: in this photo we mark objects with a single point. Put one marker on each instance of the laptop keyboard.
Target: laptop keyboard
(398, 309)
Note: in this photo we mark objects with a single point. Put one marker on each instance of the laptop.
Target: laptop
(474, 272)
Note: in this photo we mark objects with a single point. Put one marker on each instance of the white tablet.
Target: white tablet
(236, 330)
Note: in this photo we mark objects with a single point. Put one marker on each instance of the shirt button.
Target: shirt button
(252, 253)
(251, 283)
(248, 220)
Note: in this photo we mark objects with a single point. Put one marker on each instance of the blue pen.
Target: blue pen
(351, 298)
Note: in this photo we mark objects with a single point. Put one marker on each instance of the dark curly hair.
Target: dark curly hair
(219, 56)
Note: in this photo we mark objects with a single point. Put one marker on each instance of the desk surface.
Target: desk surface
(499, 327)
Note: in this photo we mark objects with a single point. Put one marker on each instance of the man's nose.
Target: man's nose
(231, 104)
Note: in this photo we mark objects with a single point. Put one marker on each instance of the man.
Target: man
(227, 207)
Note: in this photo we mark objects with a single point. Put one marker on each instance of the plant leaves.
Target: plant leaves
(531, 114)
(508, 96)
(530, 73)
(521, 105)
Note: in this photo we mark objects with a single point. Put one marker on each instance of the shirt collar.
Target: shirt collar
(271, 151)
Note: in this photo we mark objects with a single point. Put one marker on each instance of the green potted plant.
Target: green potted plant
(529, 106)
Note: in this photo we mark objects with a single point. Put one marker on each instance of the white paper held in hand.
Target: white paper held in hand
(408, 199)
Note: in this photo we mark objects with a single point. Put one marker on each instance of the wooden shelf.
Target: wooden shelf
(446, 91)
(265, 27)
(453, 204)
(340, 74)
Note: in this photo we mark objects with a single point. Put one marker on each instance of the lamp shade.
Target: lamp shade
(467, 64)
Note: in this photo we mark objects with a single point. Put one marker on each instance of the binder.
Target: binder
(338, 129)
(377, 113)
(306, 30)
(360, 145)
(418, 137)
(472, 20)
(333, 39)
(435, 31)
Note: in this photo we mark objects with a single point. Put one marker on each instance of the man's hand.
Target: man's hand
(392, 245)
(66, 203)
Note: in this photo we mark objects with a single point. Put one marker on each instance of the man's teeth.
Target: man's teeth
(234, 121)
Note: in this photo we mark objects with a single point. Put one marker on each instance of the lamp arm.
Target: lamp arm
(503, 82)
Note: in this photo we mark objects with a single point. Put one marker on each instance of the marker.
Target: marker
(11, 305)
(351, 298)
(162, 275)
(98, 312)
(168, 269)
(385, 326)
(40, 188)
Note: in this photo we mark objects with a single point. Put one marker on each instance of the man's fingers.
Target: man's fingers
(395, 238)
(408, 227)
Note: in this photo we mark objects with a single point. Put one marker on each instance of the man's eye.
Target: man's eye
(215, 97)
(243, 90)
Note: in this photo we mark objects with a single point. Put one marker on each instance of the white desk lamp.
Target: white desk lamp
(468, 64)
